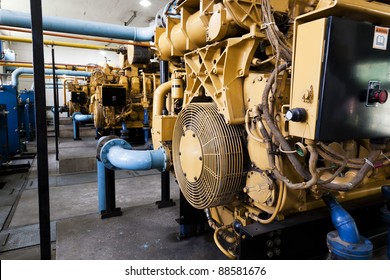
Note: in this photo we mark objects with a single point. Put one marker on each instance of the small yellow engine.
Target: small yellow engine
(283, 103)
(122, 100)
(80, 96)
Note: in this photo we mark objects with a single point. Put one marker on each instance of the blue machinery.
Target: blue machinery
(9, 103)
(27, 114)
(4, 154)
(17, 122)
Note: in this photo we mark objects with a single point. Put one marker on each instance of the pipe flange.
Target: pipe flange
(106, 148)
(167, 157)
(348, 251)
(101, 142)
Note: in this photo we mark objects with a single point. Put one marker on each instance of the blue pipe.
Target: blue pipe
(101, 186)
(124, 127)
(146, 125)
(117, 154)
(124, 132)
(345, 243)
(76, 26)
(78, 117)
(20, 71)
(343, 222)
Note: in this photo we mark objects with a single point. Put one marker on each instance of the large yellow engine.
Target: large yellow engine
(285, 102)
(122, 100)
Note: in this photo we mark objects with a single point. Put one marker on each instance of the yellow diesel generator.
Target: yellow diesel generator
(278, 115)
(122, 100)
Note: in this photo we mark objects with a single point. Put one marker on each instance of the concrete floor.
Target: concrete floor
(77, 231)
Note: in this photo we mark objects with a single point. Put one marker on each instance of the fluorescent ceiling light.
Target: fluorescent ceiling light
(145, 3)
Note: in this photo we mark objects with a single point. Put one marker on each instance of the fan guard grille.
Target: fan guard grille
(222, 174)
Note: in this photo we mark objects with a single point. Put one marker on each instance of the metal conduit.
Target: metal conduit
(76, 26)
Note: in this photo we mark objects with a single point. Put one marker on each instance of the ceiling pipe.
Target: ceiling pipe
(20, 71)
(76, 26)
(55, 34)
(60, 44)
(30, 65)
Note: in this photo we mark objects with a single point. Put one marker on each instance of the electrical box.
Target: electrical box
(78, 97)
(114, 96)
(341, 79)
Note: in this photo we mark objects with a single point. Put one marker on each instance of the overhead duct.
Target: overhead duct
(76, 26)
(20, 71)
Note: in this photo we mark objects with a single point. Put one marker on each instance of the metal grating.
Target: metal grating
(222, 172)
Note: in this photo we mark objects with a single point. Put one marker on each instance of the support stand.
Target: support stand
(109, 184)
(192, 221)
(76, 131)
(165, 201)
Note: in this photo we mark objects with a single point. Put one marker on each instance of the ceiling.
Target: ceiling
(107, 11)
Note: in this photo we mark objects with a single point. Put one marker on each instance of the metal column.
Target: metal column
(55, 94)
(165, 201)
(40, 113)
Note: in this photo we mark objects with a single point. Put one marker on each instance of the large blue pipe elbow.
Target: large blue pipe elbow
(118, 154)
(344, 223)
(78, 117)
(345, 243)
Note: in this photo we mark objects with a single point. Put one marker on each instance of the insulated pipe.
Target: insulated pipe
(20, 71)
(76, 26)
(117, 154)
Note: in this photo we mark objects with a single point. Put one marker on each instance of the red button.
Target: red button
(382, 98)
